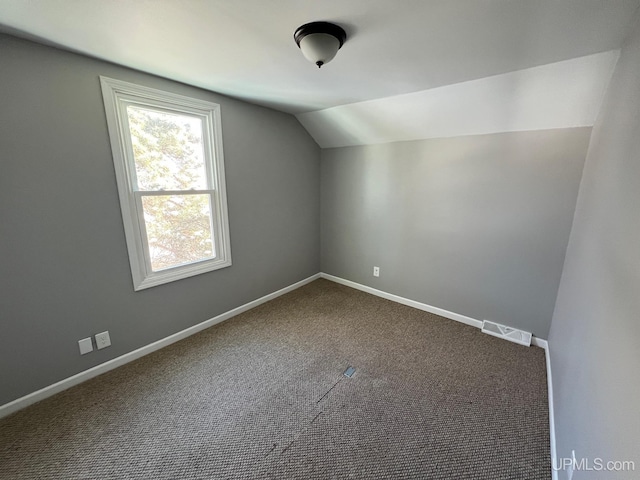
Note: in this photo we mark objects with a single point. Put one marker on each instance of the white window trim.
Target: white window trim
(116, 95)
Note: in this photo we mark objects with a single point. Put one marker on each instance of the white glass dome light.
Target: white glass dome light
(320, 41)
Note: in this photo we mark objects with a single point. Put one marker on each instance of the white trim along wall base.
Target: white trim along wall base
(538, 342)
(43, 393)
(405, 301)
(57, 387)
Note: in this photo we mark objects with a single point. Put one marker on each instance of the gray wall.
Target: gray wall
(595, 334)
(475, 225)
(64, 268)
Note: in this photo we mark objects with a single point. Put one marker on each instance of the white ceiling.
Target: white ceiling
(564, 94)
(245, 48)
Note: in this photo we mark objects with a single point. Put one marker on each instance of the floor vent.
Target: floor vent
(508, 333)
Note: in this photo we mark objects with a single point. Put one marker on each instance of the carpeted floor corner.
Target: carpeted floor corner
(263, 396)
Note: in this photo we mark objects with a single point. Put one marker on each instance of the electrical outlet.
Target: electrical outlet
(85, 346)
(103, 340)
(376, 271)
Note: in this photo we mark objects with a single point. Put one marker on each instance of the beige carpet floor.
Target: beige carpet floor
(263, 396)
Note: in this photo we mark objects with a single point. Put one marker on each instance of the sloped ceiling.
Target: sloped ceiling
(559, 95)
(433, 49)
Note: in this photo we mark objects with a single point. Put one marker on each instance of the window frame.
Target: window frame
(117, 95)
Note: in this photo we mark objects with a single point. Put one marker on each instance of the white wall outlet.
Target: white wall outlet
(103, 340)
(376, 271)
(85, 346)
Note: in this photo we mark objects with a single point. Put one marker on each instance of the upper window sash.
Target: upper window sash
(208, 152)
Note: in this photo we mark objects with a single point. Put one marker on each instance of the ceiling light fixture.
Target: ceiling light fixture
(319, 41)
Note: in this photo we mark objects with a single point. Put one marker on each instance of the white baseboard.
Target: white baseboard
(539, 342)
(535, 341)
(57, 387)
(552, 422)
(69, 382)
(405, 301)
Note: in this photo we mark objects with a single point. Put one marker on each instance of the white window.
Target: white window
(167, 153)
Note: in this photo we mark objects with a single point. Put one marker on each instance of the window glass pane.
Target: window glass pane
(168, 150)
(178, 229)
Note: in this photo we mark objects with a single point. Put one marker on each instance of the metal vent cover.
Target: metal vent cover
(508, 333)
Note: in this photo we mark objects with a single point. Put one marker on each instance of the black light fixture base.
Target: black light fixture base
(320, 27)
